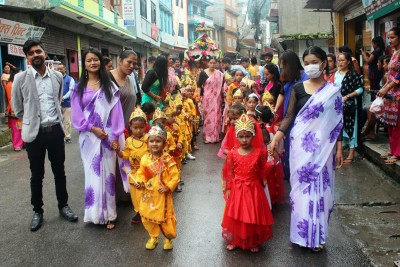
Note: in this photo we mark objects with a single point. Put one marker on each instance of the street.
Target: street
(199, 210)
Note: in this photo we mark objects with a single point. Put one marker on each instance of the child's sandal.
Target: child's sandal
(255, 249)
(230, 247)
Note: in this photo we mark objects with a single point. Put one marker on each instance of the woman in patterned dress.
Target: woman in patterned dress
(316, 107)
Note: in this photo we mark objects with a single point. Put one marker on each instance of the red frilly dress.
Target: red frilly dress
(247, 220)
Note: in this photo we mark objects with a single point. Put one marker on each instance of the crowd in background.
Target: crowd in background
(140, 134)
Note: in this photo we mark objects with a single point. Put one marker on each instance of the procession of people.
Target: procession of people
(288, 120)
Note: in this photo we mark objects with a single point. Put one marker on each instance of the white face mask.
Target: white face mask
(313, 70)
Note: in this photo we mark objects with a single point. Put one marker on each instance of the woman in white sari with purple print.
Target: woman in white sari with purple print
(97, 115)
(316, 107)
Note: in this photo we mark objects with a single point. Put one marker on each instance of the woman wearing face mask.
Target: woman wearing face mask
(316, 108)
(351, 86)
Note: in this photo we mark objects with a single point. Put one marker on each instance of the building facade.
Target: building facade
(198, 13)
(225, 14)
(180, 26)
(296, 30)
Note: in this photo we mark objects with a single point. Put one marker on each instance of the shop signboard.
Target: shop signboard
(128, 12)
(377, 8)
(15, 50)
(18, 33)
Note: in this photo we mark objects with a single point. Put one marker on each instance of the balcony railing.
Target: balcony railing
(199, 14)
(146, 27)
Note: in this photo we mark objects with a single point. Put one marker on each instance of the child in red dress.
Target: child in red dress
(275, 175)
(247, 220)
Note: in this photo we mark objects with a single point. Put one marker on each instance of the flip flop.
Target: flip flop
(384, 156)
(110, 225)
(348, 161)
(391, 160)
(317, 249)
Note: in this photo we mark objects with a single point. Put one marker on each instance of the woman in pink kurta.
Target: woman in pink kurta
(210, 81)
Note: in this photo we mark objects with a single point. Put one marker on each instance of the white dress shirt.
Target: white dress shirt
(48, 111)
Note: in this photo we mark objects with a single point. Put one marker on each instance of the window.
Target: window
(228, 20)
(202, 12)
(228, 2)
(181, 30)
(194, 10)
(153, 13)
(229, 42)
(177, 2)
(234, 23)
(182, 4)
(143, 8)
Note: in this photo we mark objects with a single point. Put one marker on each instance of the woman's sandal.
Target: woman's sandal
(196, 146)
(391, 160)
(317, 249)
(110, 225)
(385, 156)
(255, 249)
(348, 161)
(230, 247)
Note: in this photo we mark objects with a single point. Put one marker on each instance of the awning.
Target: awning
(319, 4)
(78, 14)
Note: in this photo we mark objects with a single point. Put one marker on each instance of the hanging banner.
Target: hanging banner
(128, 12)
(18, 33)
(376, 9)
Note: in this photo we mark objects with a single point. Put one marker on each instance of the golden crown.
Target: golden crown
(238, 93)
(158, 114)
(157, 131)
(249, 83)
(168, 96)
(177, 101)
(267, 98)
(138, 113)
(244, 123)
(169, 111)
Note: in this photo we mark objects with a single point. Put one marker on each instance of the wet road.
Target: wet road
(199, 209)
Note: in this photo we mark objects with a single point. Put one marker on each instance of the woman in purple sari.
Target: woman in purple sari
(97, 115)
(316, 107)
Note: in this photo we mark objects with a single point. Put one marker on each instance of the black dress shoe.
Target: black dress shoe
(36, 222)
(68, 214)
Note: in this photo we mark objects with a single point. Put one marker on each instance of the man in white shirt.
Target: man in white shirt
(36, 97)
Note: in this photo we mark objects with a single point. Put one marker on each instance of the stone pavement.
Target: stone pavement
(199, 211)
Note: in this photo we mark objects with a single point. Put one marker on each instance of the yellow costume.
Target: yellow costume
(170, 143)
(157, 209)
(177, 135)
(134, 151)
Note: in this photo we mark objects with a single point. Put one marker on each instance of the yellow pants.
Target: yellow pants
(154, 229)
(136, 195)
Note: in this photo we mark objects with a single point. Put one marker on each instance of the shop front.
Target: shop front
(13, 35)
(384, 15)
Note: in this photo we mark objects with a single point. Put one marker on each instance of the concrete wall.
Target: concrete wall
(31, 4)
(294, 19)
